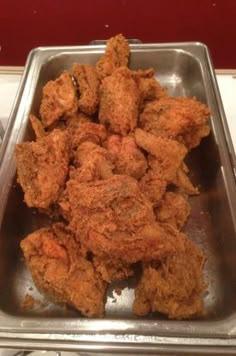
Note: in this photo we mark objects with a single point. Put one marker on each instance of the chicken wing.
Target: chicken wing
(166, 154)
(128, 158)
(59, 270)
(174, 285)
(42, 167)
(59, 99)
(179, 118)
(116, 55)
(119, 102)
(88, 83)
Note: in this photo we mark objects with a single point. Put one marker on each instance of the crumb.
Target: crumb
(28, 302)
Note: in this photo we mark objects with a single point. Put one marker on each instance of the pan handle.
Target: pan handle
(103, 42)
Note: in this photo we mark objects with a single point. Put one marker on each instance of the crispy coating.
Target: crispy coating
(86, 131)
(94, 162)
(59, 99)
(112, 210)
(174, 209)
(149, 87)
(37, 127)
(42, 168)
(75, 120)
(166, 154)
(182, 181)
(153, 185)
(182, 119)
(116, 55)
(174, 285)
(150, 242)
(112, 271)
(128, 158)
(88, 83)
(119, 102)
(61, 272)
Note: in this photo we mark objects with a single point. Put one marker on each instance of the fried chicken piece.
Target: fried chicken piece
(112, 271)
(149, 87)
(108, 215)
(150, 242)
(153, 185)
(173, 286)
(128, 158)
(59, 99)
(37, 127)
(119, 102)
(61, 272)
(88, 83)
(42, 168)
(87, 131)
(94, 163)
(75, 120)
(179, 118)
(166, 154)
(174, 209)
(182, 181)
(116, 55)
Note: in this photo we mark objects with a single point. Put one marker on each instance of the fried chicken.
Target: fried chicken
(116, 55)
(174, 209)
(182, 119)
(42, 168)
(128, 158)
(117, 200)
(166, 155)
(75, 120)
(87, 131)
(150, 242)
(119, 102)
(174, 285)
(61, 272)
(88, 83)
(94, 162)
(150, 88)
(37, 127)
(108, 217)
(59, 99)
(153, 185)
(182, 181)
(111, 270)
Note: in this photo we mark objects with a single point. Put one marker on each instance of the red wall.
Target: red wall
(30, 23)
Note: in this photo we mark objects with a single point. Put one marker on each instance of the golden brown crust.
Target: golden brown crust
(59, 99)
(180, 118)
(42, 168)
(61, 272)
(116, 55)
(128, 158)
(174, 285)
(88, 84)
(173, 209)
(119, 102)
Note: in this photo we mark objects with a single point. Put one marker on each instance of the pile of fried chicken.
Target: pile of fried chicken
(108, 159)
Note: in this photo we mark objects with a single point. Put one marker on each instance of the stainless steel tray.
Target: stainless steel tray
(185, 69)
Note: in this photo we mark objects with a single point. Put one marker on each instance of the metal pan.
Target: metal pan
(185, 69)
